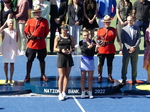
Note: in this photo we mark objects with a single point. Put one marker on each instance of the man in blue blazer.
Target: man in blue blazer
(58, 14)
(130, 35)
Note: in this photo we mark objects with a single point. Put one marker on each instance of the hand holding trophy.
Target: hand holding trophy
(100, 41)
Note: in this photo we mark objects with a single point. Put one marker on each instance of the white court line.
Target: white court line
(78, 104)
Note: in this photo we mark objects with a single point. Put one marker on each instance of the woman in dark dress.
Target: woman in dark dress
(90, 12)
(6, 13)
(64, 45)
(124, 9)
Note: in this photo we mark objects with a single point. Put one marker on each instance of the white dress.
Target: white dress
(9, 46)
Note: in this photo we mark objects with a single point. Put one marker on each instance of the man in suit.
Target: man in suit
(130, 35)
(58, 13)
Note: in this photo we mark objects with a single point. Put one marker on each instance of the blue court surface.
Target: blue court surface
(49, 103)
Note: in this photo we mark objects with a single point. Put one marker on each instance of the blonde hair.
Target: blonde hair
(85, 30)
(63, 24)
(8, 20)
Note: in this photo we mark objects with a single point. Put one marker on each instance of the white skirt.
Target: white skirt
(87, 64)
(8, 60)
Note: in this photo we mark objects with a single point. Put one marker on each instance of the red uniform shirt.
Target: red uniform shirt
(41, 31)
(109, 36)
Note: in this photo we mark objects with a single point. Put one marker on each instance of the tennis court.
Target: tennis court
(47, 103)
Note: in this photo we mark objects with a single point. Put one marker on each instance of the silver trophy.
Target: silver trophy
(99, 39)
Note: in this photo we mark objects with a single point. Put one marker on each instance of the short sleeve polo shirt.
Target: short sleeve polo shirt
(142, 10)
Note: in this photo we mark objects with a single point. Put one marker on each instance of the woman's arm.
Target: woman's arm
(2, 35)
(118, 16)
(96, 10)
(56, 49)
(84, 10)
(8, 17)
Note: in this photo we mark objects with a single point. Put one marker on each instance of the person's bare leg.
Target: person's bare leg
(66, 78)
(60, 80)
(6, 71)
(148, 74)
(90, 80)
(82, 81)
(11, 71)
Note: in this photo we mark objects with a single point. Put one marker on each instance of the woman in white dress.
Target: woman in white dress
(9, 48)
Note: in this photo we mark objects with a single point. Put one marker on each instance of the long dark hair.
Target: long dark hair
(11, 4)
(123, 3)
(92, 5)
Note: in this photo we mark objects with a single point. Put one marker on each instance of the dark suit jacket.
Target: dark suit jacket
(71, 14)
(126, 39)
(58, 14)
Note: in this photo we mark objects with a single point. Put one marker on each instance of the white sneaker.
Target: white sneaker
(60, 97)
(83, 94)
(22, 53)
(11, 84)
(90, 94)
(64, 95)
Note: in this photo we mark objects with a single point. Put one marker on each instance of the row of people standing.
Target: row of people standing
(104, 46)
(64, 45)
(86, 15)
(100, 8)
(78, 14)
(36, 30)
(41, 58)
(141, 13)
(10, 36)
(20, 10)
(140, 10)
(20, 13)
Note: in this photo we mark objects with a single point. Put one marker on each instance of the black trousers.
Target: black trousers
(53, 31)
(31, 54)
(109, 58)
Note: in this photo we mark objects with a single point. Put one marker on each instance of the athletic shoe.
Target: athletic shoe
(11, 84)
(60, 97)
(64, 95)
(83, 94)
(90, 94)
